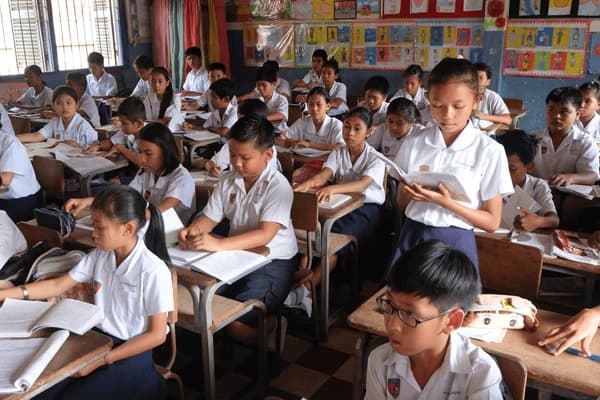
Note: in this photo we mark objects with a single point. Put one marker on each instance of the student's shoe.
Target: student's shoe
(272, 338)
(299, 298)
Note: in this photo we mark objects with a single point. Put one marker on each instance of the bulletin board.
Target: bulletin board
(432, 9)
(435, 41)
(268, 42)
(548, 48)
(383, 45)
(554, 8)
(334, 38)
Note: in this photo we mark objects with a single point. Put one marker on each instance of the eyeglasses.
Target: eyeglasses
(410, 319)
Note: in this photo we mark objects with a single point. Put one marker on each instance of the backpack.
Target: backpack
(18, 266)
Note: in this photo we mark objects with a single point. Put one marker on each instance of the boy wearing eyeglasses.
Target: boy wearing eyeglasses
(429, 289)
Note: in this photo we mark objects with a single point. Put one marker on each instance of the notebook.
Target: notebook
(173, 225)
(586, 191)
(201, 135)
(229, 265)
(335, 201)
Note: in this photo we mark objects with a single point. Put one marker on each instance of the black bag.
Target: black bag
(54, 218)
(17, 267)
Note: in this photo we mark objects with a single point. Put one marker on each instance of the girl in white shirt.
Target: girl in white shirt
(143, 66)
(337, 90)
(132, 286)
(318, 130)
(159, 102)
(38, 94)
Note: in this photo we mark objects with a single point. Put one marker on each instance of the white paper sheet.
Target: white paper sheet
(519, 198)
(230, 265)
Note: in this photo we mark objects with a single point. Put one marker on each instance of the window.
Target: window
(57, 34)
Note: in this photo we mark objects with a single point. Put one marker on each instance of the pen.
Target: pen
(574, 351)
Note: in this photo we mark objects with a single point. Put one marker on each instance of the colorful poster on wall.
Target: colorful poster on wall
(559, 7)
(588, 8)
(322, 9)
(268, 42)
(448, 39)
(445, 6)
(472, 5)
(391, 8)
(383, 45)
(368, 9)
(594, 55)
(496, 12)
(301, 9)
(418, 6)
(548, 48)
(529, 8)
(335, 39)
(345, 9)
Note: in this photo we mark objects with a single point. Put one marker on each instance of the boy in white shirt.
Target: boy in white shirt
(589, 120)
(282, 86)
(99, 82)
(376, 91)
(277, 104)
(491, 108)
(337, 90)
(196, 81)
(520, 150)
(429, 290)
(38, 94)
(87, 105)
(216, 71)
(225, 114)
(313, 77)
(412, 78)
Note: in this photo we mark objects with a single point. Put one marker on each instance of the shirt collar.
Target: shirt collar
(465, 138)
(263, 179)
(128, 264)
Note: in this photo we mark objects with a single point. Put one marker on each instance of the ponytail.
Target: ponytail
(167, 98)
(155, 235)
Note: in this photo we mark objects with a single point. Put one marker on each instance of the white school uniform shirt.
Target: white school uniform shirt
(204, 101)
(178, 184)
(229, 117)
(105, 86)
(5, 121)
(88, 104)
(278, 103)
(127, 140)
(592, 128)
(367, 164)
(577, 153)
(419, 99)
(222, 159)
(378, 117)
(329, 133)
(313, 77)
(197, 80)
(152, 106)
(12, 240)
(338, 89)
(539, 190)
(382, 140)
(43, 99)
(78, 130)
(467, 372)
(478, 162)
(269, 200)
(491, 104)
(141, 90)
(13, 158)
(128, 295)
(283, 87)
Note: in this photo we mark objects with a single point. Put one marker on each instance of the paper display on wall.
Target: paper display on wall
(547, 48)
(268, 42)
(383, 45)
(334, 38)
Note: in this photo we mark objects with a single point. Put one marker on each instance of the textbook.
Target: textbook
(81, 162)
(335, 201)
(586, 191)
(173, 225)
(24, 360)
(520, 198)
(229, 265)
(571, 247)
(201, 135)
(22, 318)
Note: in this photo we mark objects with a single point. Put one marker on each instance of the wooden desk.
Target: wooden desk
(190, 147)
(77, 353)
(545, 371)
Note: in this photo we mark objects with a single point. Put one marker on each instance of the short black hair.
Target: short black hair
(161, 135)
(565, 94)
(217, 66)
(362, 113)
(274, 65)
(34, 69)
(78, 79)
(266, 74)
(193, 51)
(253, 129)
(405, 109)
(453, 70)
(319, 91)
(64, 90)
(132, 109)
(144, 62)
(517, 141)
(434, 270)
(320, 53)
(413, 69)
(333, 64)
(253, 107)
(481, 66)
(591, 86)
(378, 83)
(95, 58)
(224, 87)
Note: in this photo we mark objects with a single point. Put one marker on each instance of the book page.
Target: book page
(519, 198)
(201, 135)
(181, 257)
(539, 240)
(17, 317)
(230, 265)
(172, 225)
(335, 200)
(16, 354)
(433, 179)
(74, 315)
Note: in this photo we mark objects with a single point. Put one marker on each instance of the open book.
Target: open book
(173, 225)
(23, 360)
(79, 161)
(201, 135)
(571, 247)
(586, 191)
(21, 318)
(229, 265)
(520, 198)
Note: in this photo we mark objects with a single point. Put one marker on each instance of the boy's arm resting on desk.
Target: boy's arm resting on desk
(317, 181)
(31, 137)
(130, 155)
(318, 146)
(359, 186)
(75, 205)
(579, 178)
(505, 119)
(258, 237)
(580, 328)
(40, 290)
(169, 202)
(221, 130)
(531, 221)
(201, 225)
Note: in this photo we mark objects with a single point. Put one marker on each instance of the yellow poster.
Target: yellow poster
(322, 9)
(573, 63)
(423, 35)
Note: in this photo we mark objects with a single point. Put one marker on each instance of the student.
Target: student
(159, 102)
(161, 180)
(12, 242)
(68, 126)
(16, 173)
(318, 130)
(580, 328)
(336, 90)
(5, 123)
(216, 71)
(355, 169)
(143, 66)
(402, 119)
(196, 81)
(491, 108)
(38, 94)
(521, 149)
(87, 105)
(99, 82)
(413, 78)
(589, 120)
(376, 91)
(313, 77)
(454, 146)
(429, 291)
(225, 113)
(566, 155)
(276, 103)
(133, 289)
(257, 201)
(282, 86)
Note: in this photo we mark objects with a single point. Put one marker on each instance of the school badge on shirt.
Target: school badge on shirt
(232, 198)
(544, 149)
(393, 386)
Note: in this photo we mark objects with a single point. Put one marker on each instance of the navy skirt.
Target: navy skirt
(414, 233)
(128, 379)
(20, 209)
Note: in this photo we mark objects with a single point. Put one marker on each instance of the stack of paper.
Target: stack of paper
(230, 265)
(586, 191)
(335, 201)
(201, 135)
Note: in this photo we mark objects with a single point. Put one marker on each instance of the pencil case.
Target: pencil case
(54, 218)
